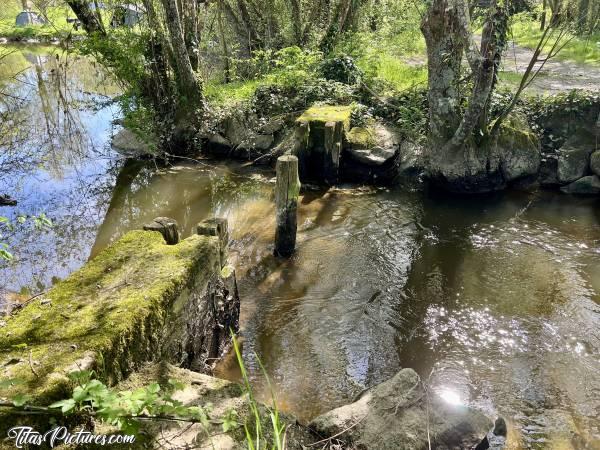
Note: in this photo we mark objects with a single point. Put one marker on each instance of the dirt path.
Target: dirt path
(556, 75)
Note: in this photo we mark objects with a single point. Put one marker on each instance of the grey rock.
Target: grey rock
(412, 159)
(271, 127)
(129, 143)
(595, 162)
(375, 156)
(520, 160)
(237, 127)
(218, 140)
(589, 185)
(574, 157)
(396, 415)
(387, 144)
(258, 142)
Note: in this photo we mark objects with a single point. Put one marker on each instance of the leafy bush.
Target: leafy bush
(341, 68)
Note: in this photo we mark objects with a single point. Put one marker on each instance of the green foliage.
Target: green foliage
(552, 117)
(341, 68)
(124, 409)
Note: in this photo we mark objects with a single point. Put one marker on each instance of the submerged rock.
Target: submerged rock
(400, 414)
(589, 185)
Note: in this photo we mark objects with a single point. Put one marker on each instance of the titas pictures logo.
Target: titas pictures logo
(26, 436)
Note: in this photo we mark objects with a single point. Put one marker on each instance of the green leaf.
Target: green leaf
(5, 254)
(64, 405)
(154, 388)
(20, 399)
(5, 384)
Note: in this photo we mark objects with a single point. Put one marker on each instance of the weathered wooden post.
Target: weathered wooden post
(216, 226)
(286, 204)
(165, 226)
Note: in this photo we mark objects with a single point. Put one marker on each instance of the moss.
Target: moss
(110, 313)
(327, 113)
(515, 132)
(361, 138)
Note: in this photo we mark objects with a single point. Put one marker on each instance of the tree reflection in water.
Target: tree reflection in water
(55, 123)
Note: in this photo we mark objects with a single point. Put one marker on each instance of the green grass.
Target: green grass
(231, 93)
(584, 50)
(399, 74)
(392, 54)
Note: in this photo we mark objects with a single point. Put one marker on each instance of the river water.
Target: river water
(494, 300)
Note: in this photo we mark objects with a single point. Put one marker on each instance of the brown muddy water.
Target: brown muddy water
(494, 300)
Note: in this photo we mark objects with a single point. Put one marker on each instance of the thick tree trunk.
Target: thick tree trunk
(444, 55)
(457, 155)
(187, 80)
(88, 17)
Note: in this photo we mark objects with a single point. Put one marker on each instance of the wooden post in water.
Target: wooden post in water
(286, 204)
(165, 226)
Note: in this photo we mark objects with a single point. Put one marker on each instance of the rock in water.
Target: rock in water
(6, 200)
(589, 185)
(129, 143)
(574, 157)
(496, 437)
(400, 414)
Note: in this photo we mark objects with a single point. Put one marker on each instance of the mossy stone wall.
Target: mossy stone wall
(111, 316)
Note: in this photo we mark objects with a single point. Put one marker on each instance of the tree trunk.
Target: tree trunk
(187, 80)
(88, 17)
(297, 21)
(444, 55)
(457, 156)
(582, 16)
(253, 39)
(191, 33)
(226, 57)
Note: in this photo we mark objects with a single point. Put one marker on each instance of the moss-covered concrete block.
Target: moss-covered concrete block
(320, 133)
(110, 316)
(327, 113)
